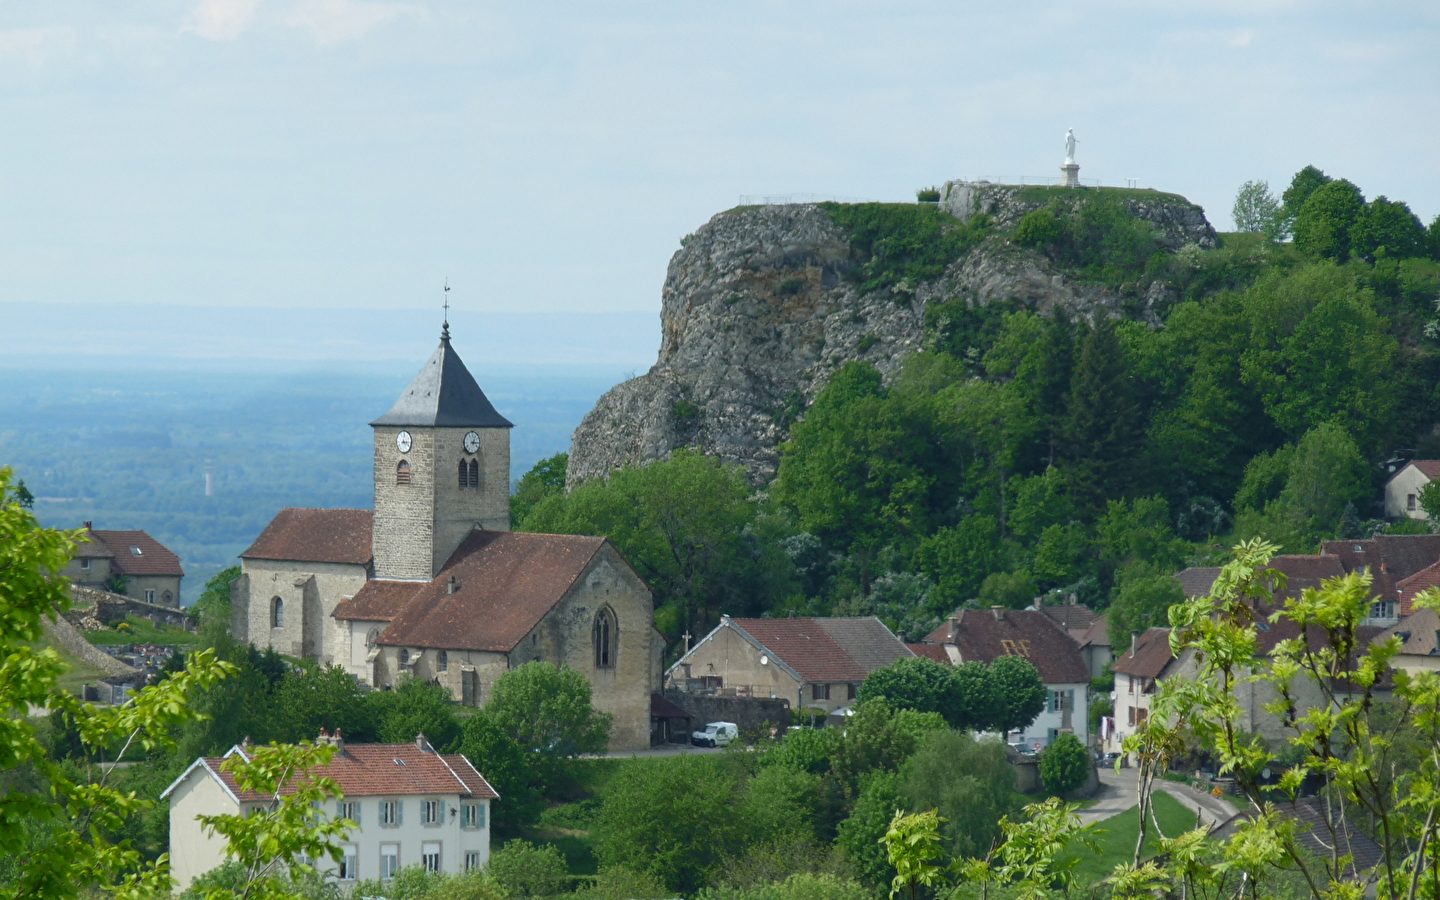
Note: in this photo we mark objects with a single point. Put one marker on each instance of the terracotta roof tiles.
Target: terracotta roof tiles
(1430, 468)
(1150, 656)
(827, 649)
(1197, 580)
(1419, 633)
(930, 651)
(986, 635)
(369, 770)
(137, 553)
(316, 535)
(377, 601)
(504, 584)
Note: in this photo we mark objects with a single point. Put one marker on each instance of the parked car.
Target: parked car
(716, 734)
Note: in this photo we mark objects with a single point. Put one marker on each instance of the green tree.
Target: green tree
(1429, 499)
(1037, 502)
(544, 480)
(912, 844)
(1306, 182)
(1103, 429)
(1326, 474)
(958, 558)
(1432, 238)
(548, 713)
(507, 766)
(969, 781)
(415, 707)
(879, 738)
(1255, 207)
(1389, 226)
(327, 697)
(1036, 356)
(682, 523)
(1064, 765)
(79, 815)
(1323, 227)
(780, 804)
(526, 870)
(1265, 477)
(859, 835)
(668, 818)
(1018, 691)
(1063, 556)
(1012, 590)
(919, 683)
(213, 606)
(1146, 593)
(976, 704)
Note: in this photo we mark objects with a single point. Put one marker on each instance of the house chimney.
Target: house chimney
(1133, 636)
(423, 745)
(337, 741)
(999, 613)
(453, 586)
(89, 526)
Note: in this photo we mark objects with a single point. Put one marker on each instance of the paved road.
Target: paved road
(663, 750)
(1119, 792)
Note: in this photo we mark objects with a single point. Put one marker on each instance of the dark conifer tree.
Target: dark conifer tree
(1102, 432)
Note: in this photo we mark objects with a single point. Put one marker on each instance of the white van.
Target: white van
(716, 734)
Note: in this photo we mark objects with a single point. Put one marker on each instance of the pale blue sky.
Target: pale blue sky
(548, 157)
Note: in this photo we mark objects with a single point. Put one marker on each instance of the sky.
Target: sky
(195, 160)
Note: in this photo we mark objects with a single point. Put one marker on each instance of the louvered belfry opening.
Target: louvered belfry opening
(464, 475)
(402, 472)
(474, 474)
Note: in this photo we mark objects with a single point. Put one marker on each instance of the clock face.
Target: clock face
(472, 442)
(402, 440)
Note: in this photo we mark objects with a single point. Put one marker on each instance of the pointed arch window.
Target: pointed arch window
(277, 613)
(402, 472)
(442, 661)
(474, 478)
(464, 475)
(607, 636)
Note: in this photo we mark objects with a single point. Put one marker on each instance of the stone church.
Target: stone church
(433, 584)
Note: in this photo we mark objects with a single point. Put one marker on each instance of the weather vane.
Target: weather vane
(445, 328)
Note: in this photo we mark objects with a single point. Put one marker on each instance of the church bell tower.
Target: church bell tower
(442, 468)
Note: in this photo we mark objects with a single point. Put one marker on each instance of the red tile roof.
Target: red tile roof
(1419, 633)
(377, 601)
(1197, 580)
(1400, 555)
(1098, 634)
(1407, 589)
(315, 535)
(1430, 468)
(137, 553)
(1150, 656)
(388, 770)
(827, 649)
(1070, 617)
(505, 583)
(930, 651)
(986, 635)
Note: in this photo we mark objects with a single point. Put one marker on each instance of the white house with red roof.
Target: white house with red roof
(411, 805)
(815, 663)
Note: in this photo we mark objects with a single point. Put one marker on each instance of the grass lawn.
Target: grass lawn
(1116, 839)
(77, 671)
(142, 631)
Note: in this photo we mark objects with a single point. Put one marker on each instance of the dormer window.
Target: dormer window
(136, 551)
(402, 472)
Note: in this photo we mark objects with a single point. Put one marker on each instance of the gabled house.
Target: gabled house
(1419, 635)
(986, 635)
(1402, 491)
(815, 663)
(1390, 559)
(149, 570)
(411, 805)
(1137, 674)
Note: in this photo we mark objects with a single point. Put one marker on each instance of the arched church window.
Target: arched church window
(277, 613)
(442, 661)
(606, 638)
(404, 656)
(464, 475)
(474, 474)
(402, 472)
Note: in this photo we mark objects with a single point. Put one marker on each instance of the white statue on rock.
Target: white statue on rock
(1069, 146)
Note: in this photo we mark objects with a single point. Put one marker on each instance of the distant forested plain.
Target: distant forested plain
(130, 449)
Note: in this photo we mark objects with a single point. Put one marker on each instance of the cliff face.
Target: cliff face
(757, 314)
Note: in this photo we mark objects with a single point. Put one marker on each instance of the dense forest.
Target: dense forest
(1024, 454)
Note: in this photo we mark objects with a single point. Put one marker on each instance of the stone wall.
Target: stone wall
(109, 607)
(752, 714)
(404, 513)
(310, 591)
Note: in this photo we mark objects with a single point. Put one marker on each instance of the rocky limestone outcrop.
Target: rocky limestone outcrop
(757, 314)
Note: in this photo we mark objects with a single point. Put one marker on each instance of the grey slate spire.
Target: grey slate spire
(444, 393)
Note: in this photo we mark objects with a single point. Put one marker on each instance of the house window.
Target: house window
(167, 598)
(472, 860)
(390, 812)
(84, 563)
(349, 864)
(819, 692)
(389, 860)
(1140, 715)
(277, 613)
(136, 551)
(1382, 609)
(849, 692)
(1410, 502)
(150, 596)
(442, 661)
(348, 809)
(430, 812)
(472, 815)
(474, 474)
(605, 639)
(430, 856)
(402, 472)
(1057, 701)
(1130, 718)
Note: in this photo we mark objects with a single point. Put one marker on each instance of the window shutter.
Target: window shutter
(1070, 699)
(480, 815)
(357, 805)
(399, 812)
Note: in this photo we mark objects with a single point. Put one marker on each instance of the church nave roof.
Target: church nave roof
(315, 535)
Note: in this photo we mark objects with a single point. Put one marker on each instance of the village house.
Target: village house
(1137, 675)
(1089, 631)
(131, 563)
(410, 804)
(433, 584)
(1419, 635)
(1402, 491)
(816, 663)
(986, 635)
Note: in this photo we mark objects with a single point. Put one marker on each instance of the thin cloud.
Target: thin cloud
(221, 20)
(34, 45)
(335, 21)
